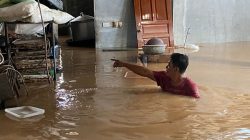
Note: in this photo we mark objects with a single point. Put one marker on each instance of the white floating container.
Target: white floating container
(24, 111)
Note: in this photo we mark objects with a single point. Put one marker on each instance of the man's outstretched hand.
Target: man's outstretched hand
(117, 63)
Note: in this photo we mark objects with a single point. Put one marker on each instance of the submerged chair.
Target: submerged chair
(1, 58)
(9, 84)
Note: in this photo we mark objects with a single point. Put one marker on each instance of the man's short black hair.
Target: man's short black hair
(179, 60)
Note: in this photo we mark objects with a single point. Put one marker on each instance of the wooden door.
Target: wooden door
(154, 19)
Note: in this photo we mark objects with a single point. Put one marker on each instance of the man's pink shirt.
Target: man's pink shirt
(187, 87)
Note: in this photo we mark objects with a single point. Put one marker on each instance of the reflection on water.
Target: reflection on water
(91, 100)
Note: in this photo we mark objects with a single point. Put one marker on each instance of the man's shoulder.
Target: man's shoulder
(192, 87)
(190, 83)
(189, 80)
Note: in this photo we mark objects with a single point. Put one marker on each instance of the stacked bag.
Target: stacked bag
(12, 11)
(53, 4)
(28, 11)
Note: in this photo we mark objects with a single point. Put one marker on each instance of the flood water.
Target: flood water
(93, 101)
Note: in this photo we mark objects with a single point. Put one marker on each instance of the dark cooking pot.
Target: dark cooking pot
(82, 28)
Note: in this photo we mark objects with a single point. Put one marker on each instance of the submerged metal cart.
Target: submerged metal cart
(53, 47)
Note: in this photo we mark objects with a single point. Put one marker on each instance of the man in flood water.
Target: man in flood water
(172, 80)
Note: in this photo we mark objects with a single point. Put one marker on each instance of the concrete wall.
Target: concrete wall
(211, 21)
(107, 11)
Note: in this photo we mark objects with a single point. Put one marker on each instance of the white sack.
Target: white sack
(29, 28)
(48, 14)
(17, 11)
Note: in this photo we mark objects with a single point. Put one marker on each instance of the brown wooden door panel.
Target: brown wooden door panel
(161, 10)
(154, 19)
(146, 10)
(155, 34)
(160, 28)
(155, 22)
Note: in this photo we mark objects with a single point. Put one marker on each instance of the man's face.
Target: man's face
(170, 68)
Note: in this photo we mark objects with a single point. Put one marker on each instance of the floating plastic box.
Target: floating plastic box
(24, 111)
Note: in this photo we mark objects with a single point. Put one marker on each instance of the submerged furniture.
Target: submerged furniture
(45, 50)
(1, 58)
(9, 84)
(7, 91)
(34, 13)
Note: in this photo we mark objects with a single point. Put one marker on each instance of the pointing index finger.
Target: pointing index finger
(114, 59)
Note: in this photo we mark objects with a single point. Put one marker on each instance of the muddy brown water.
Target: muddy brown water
(93, 101)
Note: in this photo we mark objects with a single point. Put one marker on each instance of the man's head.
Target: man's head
(178, 62)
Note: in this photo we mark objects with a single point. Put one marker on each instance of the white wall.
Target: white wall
(211, 21)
